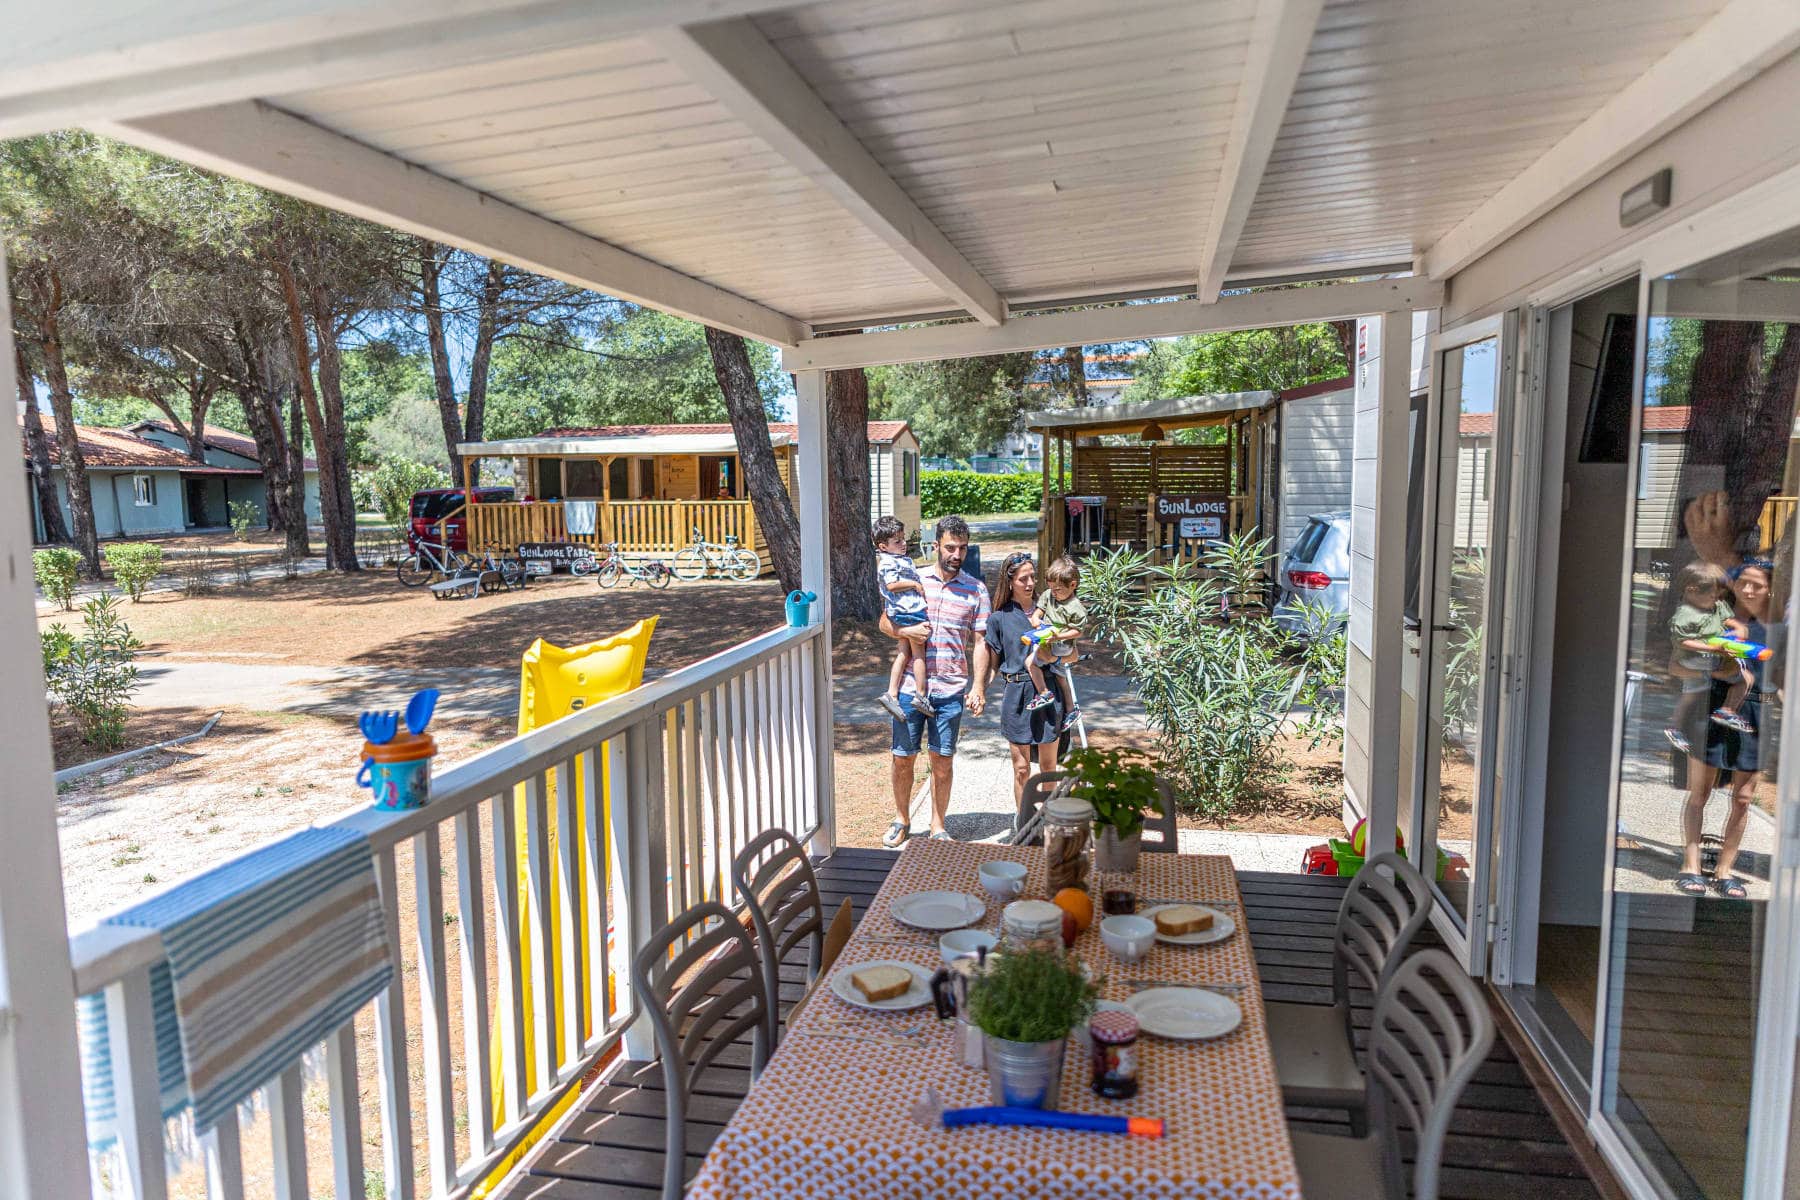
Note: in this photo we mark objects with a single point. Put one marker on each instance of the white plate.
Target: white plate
(1185, 1013)
(919, 993)
(939, 912)
(1222, 927)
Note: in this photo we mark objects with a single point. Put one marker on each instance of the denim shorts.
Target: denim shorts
(902, 620)
(908, 734)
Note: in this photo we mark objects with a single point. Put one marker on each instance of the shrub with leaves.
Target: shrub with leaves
(1032, 996)
(56, 642)
(95, 675)
(134, 565)
(389, 488)
(1323, 654)
(1213, 668)
(967, 493)
(57, 569)
(243, 515)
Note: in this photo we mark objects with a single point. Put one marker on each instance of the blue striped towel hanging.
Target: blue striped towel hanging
(267, 955)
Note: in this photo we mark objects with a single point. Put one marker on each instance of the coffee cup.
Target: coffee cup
(1129, 938)
(1002, 880)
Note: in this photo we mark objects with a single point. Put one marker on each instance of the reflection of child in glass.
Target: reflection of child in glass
(903, 596)
(1705, 612)
(1061, 611)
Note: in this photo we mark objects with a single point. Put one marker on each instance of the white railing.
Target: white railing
(664, 784)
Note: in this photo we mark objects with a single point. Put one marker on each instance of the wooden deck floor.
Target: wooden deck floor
(1503, 1143)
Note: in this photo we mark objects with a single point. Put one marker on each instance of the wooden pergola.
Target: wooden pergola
(1119, 474)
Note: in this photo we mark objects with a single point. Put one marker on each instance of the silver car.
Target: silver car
(1316, 570)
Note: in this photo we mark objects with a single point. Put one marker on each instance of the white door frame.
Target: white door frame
(1469, 944)
(1759, 211)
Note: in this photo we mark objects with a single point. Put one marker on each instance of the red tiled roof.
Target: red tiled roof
(113, 448)
(879, 431)
(1658, 418)
(228, 440)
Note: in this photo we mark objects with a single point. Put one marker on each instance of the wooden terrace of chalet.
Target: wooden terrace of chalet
(865, 183)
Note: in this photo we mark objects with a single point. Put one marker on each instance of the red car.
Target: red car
(430, 506)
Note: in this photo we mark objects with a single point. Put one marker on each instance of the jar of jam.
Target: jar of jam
(1114, 1037)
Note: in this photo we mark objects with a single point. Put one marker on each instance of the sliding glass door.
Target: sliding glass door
(1696, 774)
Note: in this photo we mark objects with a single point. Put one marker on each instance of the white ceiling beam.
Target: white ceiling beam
(1738, 42)
(734, 63)
(1279, 39)
(1125, 323)
(277, 150)
(104, 60)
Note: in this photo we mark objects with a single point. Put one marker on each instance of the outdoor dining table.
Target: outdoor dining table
(829, 1115)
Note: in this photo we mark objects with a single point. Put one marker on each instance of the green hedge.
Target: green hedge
(968, 493)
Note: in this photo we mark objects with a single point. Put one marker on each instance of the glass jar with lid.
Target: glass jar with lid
(1031, 925)
(1068, 832)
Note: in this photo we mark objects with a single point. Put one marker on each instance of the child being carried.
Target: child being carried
(1705, 613)
(903, 598)
(1060, 617)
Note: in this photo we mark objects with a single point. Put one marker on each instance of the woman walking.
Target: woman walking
(1031, 733)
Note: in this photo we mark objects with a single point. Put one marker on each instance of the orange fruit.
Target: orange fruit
(1077, 904)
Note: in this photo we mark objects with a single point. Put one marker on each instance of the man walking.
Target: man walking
(958, 606)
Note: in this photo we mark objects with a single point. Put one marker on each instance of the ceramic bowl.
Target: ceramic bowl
(1129, 938)
(958, 942)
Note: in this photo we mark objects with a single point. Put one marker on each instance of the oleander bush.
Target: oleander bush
(1217, 674)
(389, 488)
(57, 569)
(94, 675)
(134, 565)
(243, 515)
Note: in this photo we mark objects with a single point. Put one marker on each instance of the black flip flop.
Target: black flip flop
(1689, 884)
(1731, 888)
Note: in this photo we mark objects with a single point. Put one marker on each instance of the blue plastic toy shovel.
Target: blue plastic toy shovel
(378, 727)
(419, 710)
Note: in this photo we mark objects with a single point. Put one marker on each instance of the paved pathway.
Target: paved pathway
(170, 580)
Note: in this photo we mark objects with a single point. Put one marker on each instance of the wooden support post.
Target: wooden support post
(42, 1141)
(811, 464)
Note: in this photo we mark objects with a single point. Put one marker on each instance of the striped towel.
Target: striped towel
(266, 956)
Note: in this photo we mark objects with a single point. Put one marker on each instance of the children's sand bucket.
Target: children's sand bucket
(398, 772)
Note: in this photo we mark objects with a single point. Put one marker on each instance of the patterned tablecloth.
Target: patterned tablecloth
(829, 1117)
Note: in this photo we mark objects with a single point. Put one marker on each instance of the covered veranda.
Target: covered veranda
(953, 179)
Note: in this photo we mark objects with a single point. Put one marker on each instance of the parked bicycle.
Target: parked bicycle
(701, 558)
(613, 568)
(431, 561)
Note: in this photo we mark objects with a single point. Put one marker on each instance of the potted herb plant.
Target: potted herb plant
(1122, 787)
(1026, 1004)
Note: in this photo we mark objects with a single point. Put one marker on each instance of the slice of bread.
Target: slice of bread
(882, 983)
(1178, 919)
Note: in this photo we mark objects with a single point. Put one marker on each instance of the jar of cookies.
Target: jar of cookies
(1068, 832)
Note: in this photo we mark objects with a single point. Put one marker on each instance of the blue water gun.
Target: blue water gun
(1749, 651)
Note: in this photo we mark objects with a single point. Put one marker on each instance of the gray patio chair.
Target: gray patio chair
(674, 977)
(1159, 827)
(1431, 1031)
(1028, 821)
(775, 878)
(1313, 1044)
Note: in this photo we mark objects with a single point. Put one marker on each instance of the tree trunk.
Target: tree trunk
(296, 470)
(196, 448)
(200, 389)
(37, 452)
(443, 386)
(1075, 362)
(487, 323)
(260, 392)
(340, 552)
(331, 395)
(756, 455)
(854, 593)
(68, 440)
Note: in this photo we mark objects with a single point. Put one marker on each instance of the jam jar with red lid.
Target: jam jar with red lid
(1114, 1037)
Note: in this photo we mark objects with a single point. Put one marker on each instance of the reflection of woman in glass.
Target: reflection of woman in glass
(1708, 523)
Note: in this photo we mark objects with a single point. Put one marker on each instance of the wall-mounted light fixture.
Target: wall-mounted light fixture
(1645, 199)
(1151, 433)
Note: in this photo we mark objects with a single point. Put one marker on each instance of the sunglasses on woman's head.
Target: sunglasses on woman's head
(1013, 560)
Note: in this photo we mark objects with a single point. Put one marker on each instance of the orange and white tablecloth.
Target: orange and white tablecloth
(829, 1117)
